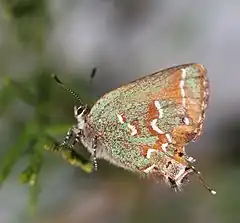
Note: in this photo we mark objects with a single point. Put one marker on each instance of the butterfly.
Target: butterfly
(144, 126)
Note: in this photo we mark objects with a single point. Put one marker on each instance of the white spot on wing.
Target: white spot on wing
(182, 82)
(149, 152)
(184, 74)
(186, 121)
(120, 118)
(155, 127)
(133, 129)
(169, 138)
(158, 106)
(164, 147)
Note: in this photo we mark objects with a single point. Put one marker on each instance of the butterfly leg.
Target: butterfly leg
(67, 146)
(94, 153)
(76, 140)
(68, 136)
(72, 133)
(72, 155)
(59, 147)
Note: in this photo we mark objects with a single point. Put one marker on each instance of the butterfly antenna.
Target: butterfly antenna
(199, 175)
(67, 88)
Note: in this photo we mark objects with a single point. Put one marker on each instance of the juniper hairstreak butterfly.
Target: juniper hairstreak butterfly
(145, 125)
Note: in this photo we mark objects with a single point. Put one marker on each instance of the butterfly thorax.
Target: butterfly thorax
(89, 136)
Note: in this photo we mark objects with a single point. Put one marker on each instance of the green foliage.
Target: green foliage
(39, 132)
(29, 22)
(6, 96)
(13, 154)
(22, 8)
(70, 155)
(19, 90)
(30, 174)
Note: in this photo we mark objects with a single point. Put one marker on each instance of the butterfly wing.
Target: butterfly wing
(162, 111)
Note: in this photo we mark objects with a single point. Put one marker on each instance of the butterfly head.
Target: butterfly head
(80, 114)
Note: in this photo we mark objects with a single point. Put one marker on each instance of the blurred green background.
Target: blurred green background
(125, 40)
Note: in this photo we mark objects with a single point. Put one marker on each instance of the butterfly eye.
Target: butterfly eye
(78, 110)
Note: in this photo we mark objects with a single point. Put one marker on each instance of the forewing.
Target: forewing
(162, 111)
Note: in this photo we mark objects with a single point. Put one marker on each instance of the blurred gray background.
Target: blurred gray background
(125, 40)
